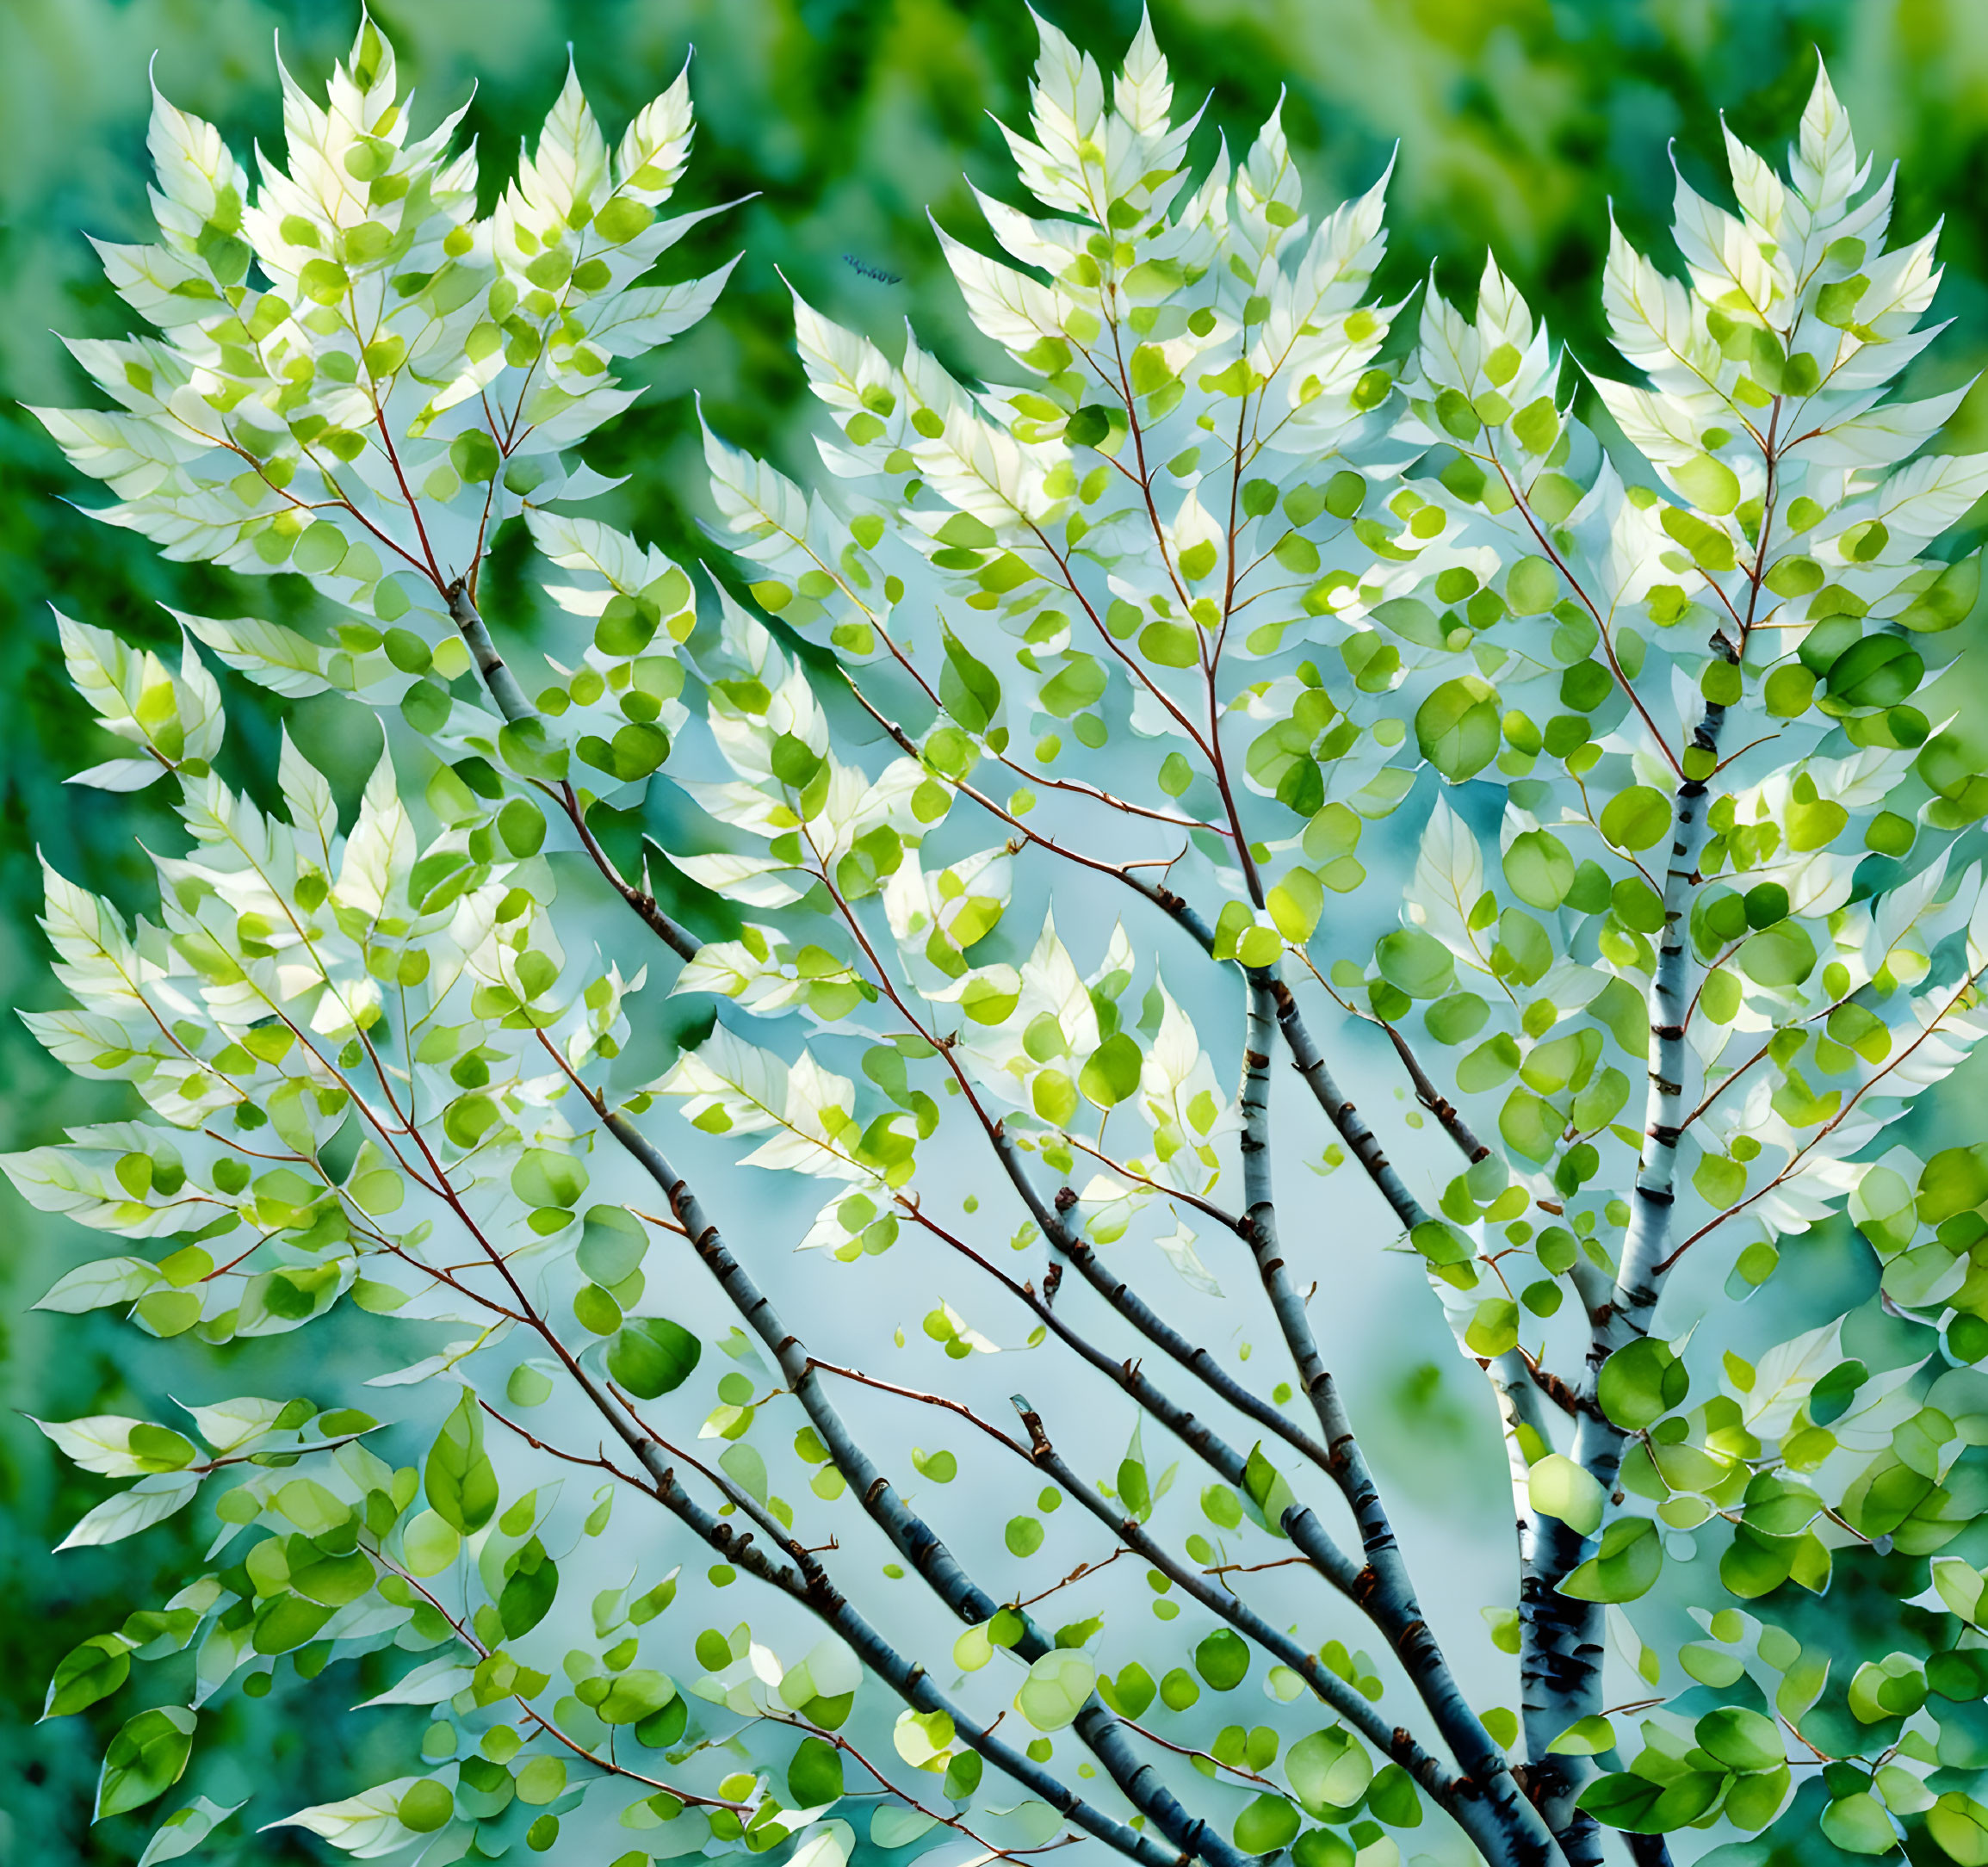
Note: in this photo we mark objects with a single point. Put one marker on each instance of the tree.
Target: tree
(383, 1073)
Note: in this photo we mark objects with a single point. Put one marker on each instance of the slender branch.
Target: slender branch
(1559, 563)
(1564, 1638)
(516, 708)
(951, 1405)
(1077, 1574)
(1517, 1832)
(1197, 1361)
(1360, 1140)
(796, 1722)
(1392, 1742)
(465, 1634)
(1300, 1523)
(914, 1539)
(914, 1684)
(1449, 1118)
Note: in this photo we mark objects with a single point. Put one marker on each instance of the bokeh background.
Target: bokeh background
(847, 121)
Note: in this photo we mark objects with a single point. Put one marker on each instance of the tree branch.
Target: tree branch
(912, 1538)
(516, 708)
(1394, 1742)
(1518, 1834)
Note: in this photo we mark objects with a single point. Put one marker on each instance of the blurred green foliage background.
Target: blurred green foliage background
(847, 122)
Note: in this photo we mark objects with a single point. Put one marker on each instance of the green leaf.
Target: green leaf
(1858, 1824)
(1111, 1075)
(1622, 1801)
(1540, 868)
(1222, 1660)
(1959, 1824)
(459, 1480)
(1415, 961)
(1529, 1126)
(1295, 905)
(1081, 682)
(1637, 818)
(612, 1245)
(531, 752)
(529, 1593)
(1170, 645)
(636, 1694)
(1457, 1018)
(145, 1759)
(1780, 956)
(1267, 1490)
(87, 1672)
(1459, 727)
(966, 687)
(1710, 484)
(1585, 1737)
(1532, 586)
(1328, 1771)
(815, 1774)
(1741, 1738)
(744, 1466)
(1628, 1565)
(1559, 1487)
(1879, 671)
(546, 1177)
(1265, 1824)
(651, 1355)
(1130, 1693)
(1494, 1328)
(428, 1805)
(1641, 1382)
(1056, 1689)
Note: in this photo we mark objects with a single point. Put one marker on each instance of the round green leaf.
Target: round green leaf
(1266, 1823)
(1416, 962)
(612, 1245)
(1959, 1824)
(1627, 1565)
(1530, 1126)
(1328, 1771)
(1710, 484)
(1459, 727)
(1539, 868)
(545, 1177)
(542, 1781)
(1741, 1738)
(1295, 905)
(1531, 586)
(1858, 1824)
(521, 824)
(1457, 1018)
(1056, 1689)
(1222, 1660)
(1778, 956)
(426, 1805)
(1113, 1074)
(1636, 817)
(651, 1355)
(1559, 1487)
(1640, 1383)
(815, 1774)
(633, 1696)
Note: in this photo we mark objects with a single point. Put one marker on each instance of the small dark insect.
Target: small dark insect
(868, 271)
